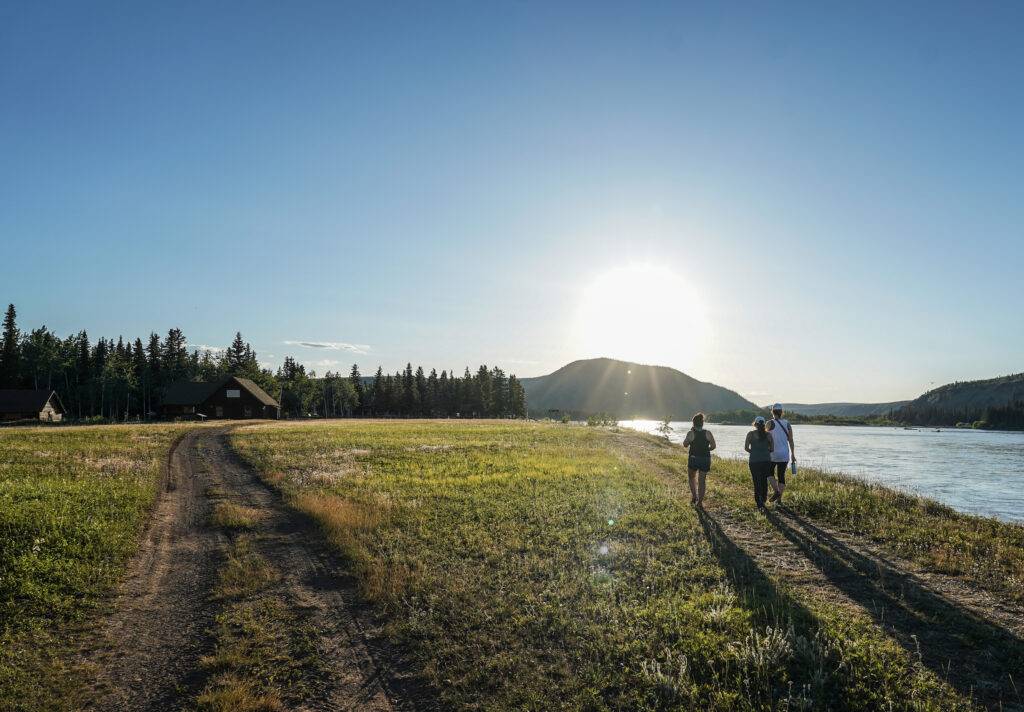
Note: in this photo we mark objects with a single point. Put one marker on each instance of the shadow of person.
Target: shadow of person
(978, 657)
(771, 605)
(809, 670)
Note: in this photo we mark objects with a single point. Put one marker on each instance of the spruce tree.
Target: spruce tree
(377, 404)
(83, 370)
(431, 404)
(140, 370)
(517, 397)
(468, 394)
(410, 399)
(10, 375)
(356, 381)
(421, 392)
(235, 356)
(174, 358)
(499, 407)
(444, 395)
(483, 392)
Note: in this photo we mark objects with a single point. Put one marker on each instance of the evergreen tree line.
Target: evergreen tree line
(488, 393)
(1000, 417)
(126, 380)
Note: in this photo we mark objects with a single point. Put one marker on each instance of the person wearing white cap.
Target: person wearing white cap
(783, 451)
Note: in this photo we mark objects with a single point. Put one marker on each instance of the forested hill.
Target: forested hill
(626, 390)
(994, 402)
(846, 410)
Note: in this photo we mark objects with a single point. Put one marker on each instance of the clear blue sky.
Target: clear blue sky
(838, 190)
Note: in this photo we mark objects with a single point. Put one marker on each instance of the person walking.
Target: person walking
(783, 451)
(759, 444)
(700, 443)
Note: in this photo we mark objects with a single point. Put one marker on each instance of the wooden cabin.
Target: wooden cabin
(230, 397)
(26, 404)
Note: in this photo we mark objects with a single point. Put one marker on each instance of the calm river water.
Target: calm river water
(975, 471)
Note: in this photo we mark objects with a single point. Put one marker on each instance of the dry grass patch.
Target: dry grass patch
(264, 658)
(235, 695)
(342, 520)
(228, 515)
(245, 572)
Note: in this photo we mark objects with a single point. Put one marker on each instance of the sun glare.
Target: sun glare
(642, 313)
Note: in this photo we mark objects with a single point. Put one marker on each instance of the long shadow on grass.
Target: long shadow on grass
(773, 607)
(973, 654)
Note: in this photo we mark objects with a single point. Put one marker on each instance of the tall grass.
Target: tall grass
(525, 566)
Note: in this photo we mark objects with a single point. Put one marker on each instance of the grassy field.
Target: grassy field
(73, 502)
(521, 566)
(527, 566)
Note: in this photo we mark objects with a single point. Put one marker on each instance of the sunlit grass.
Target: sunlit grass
(73, 502)
(527, 566)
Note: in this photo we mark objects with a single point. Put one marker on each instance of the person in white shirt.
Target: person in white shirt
(783, 451)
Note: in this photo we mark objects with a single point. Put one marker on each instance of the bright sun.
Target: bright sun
(642, 313)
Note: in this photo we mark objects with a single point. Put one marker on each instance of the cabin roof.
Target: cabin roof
(196, 392)
(190, 392)
(261, 395)
(28, 400)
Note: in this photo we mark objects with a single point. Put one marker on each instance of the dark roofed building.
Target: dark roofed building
(42, 404)
(230, 397)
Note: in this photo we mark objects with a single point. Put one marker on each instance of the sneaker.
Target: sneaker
(775, 497)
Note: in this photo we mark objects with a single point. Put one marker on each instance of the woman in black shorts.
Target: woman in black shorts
(700, 443)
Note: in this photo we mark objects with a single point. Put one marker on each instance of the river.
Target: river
(973, 471)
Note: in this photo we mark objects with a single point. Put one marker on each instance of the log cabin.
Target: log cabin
(230, 397)
(28, 404)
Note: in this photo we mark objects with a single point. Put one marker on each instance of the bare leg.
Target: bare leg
(775, 485)
(701, 487)
(693, 485)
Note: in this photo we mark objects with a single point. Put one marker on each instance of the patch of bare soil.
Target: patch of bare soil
(148, 656)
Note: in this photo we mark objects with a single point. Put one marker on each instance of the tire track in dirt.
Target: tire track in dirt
(315, 587)
(147, 655)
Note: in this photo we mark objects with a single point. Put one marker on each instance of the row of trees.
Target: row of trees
(999, 417)
(489, 393)
(126, 380)
(1005, 417)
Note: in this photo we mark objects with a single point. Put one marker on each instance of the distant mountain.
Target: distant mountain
(966, 401)
(626, 390)
(849, 410)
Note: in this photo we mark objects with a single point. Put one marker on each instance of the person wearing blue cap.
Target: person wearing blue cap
(783, 451)
(759, 444)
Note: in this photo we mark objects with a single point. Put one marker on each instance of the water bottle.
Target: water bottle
(793, 466)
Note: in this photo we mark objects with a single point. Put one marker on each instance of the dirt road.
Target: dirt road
(149, 655)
